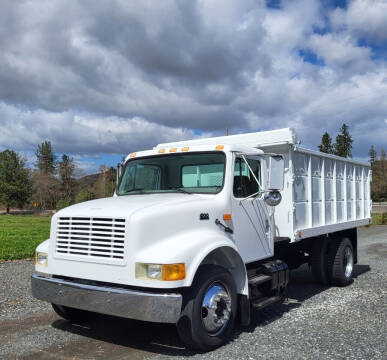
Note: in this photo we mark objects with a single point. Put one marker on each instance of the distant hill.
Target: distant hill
(87, 181)
(90, 181)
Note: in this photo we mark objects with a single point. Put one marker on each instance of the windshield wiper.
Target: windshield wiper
(179, 189)
(140, 190)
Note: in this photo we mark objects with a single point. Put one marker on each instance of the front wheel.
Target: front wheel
(209, 309)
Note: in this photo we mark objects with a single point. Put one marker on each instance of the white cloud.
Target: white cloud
(96, 77)
(340, 53)
(82, 133)
(364, 19)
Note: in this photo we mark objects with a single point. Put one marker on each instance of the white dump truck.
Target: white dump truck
(200, 233)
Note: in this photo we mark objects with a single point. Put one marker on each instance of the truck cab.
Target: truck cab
(189, 238)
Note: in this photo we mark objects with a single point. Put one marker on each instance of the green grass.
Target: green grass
(21, 234)
(379, 219)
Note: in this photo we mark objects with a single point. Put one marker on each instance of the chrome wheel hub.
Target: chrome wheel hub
(216, 308)
(348, 262)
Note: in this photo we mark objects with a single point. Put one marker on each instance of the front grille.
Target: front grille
(91, 237)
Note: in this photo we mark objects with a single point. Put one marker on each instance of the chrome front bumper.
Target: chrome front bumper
(132, 304)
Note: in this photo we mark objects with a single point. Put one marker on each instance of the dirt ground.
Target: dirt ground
(315, 322)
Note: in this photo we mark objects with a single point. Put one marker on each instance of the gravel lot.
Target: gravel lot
(316, 322)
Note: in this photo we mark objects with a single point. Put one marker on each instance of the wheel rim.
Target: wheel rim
(348, 262)
(216, 309)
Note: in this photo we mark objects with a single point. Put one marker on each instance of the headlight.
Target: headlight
(41, 258)
(165, 272)
(154, 271)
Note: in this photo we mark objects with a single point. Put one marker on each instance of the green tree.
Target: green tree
(15, 182)
(84, 195)
(372, 153)
(66, 176)
(46, 187)
(106, 183)
(62, 203)
(46, 159)
(326, 144)
(379, 178)
(343, 145)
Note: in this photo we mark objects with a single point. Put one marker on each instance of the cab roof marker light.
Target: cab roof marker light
(132, 155)
(161, 151)
(172, 149)
(185, 148)
(219, 147)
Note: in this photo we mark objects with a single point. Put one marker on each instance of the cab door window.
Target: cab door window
(244, 182)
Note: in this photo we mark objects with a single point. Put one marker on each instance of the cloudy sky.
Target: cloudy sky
(103, 78)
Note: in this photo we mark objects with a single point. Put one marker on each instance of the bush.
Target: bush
(62, 203)
(84, 195)
(379, 219)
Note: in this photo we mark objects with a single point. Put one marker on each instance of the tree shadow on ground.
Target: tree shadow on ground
(163, 338)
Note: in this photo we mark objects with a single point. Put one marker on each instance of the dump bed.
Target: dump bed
(322, 193)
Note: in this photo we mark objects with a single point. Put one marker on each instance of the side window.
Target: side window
(244, 183)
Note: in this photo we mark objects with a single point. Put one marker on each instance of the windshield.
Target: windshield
(184, 172)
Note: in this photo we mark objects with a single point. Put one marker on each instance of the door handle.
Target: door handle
(225, 228)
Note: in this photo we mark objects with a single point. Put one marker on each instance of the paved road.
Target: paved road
(316, 322)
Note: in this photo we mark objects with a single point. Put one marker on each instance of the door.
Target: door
(253, 233)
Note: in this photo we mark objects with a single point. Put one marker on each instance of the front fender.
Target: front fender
(190, 248)
(43, 247)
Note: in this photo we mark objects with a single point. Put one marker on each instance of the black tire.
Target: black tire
(319, 260)
(190, 326)
(72, 314)
(338, 261)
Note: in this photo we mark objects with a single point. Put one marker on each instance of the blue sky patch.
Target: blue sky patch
(310, 57)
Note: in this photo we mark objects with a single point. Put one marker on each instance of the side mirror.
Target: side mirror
(120, 166)
(272, 198)
(275, 173)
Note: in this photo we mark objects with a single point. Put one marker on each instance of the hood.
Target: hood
(125, 206)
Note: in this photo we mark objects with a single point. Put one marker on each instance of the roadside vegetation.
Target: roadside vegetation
(379, 219)
(51, 184)
(21, 234)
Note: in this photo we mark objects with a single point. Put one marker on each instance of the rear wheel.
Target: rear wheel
(319, 261)
(209, 309)
(72, 314)
(340, 262)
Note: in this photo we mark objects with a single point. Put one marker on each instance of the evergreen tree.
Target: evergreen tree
(379, 178)
(46, 159)
(326, 144)
(382, 155)
(15, 182)
(66, 176)
(372, 153)
(46, 187)
(343, 145)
